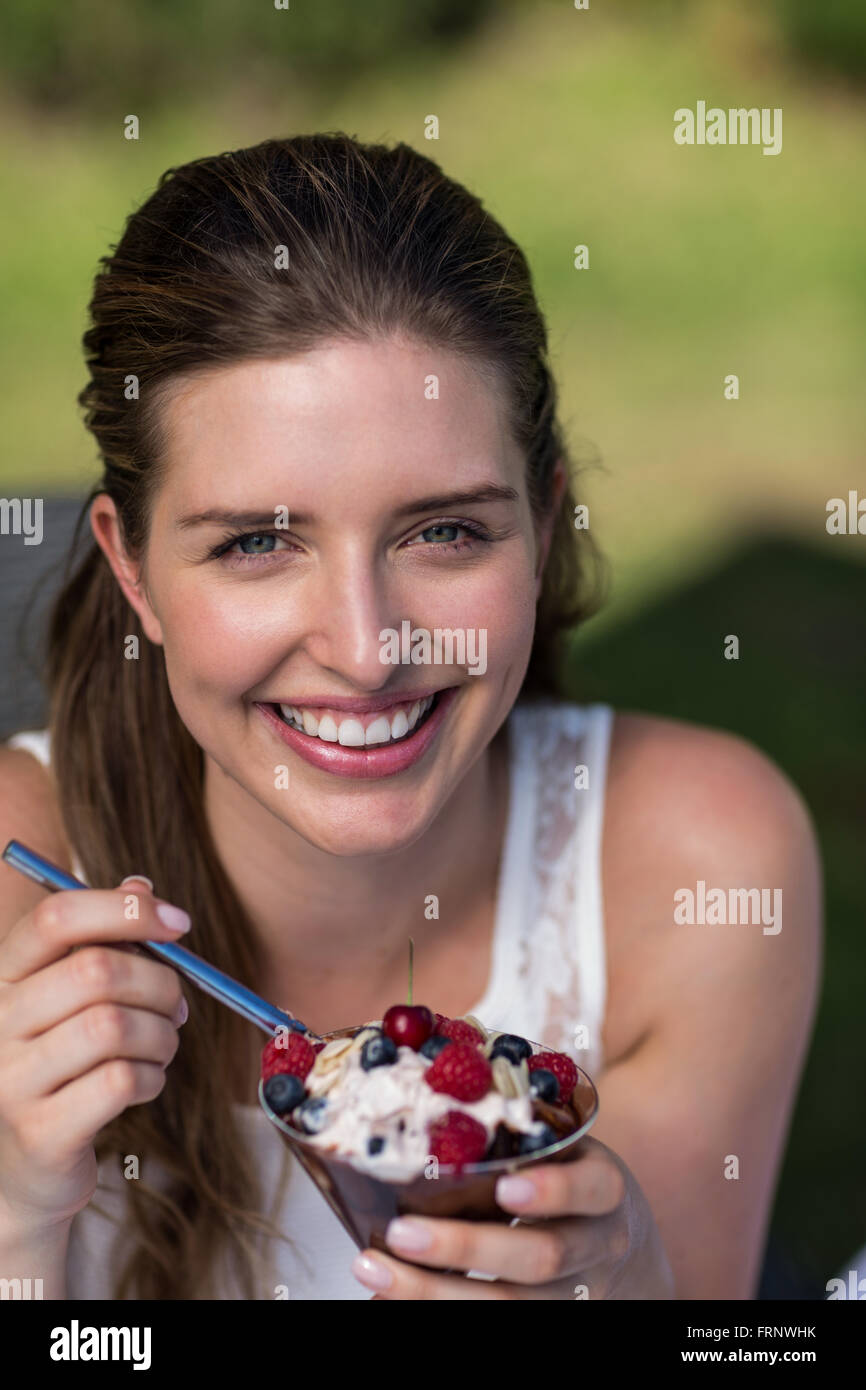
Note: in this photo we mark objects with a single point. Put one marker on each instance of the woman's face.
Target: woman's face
(309, 505)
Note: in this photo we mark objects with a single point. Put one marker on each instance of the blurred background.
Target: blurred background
(703, 263)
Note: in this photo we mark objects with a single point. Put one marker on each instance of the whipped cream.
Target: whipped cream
(395, 1103)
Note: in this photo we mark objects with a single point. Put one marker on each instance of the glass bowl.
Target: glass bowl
(365, 1203)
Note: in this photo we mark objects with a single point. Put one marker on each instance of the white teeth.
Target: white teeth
(379, 731)
(350, 732)
(399, 725)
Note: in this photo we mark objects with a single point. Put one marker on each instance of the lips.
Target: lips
(374, 759)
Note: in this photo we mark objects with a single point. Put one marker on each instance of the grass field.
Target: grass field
(703, 262)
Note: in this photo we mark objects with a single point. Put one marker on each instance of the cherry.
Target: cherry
(408, 1025)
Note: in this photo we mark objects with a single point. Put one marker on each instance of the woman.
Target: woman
(319, 386)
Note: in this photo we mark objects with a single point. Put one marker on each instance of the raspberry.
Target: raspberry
(457, 1138)
(440, 1019)
(458, 1030)
(296, 1057)
(461, 1071)
(562, 1067)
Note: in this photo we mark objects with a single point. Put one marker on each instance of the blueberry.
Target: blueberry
(433, 1046)
(511, 1046)
(380, 1051)
(530, 1142)
(376, 1144)
(544, 1084)
(311, 1115)
(283, 1092)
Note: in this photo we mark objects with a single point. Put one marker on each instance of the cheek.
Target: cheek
(217, 639)
(499, 601)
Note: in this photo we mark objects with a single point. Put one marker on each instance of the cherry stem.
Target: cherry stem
(411, 956)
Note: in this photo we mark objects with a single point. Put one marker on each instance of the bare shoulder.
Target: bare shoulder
(686, 770)
(29, 812)
(688, 805)
(709, 1009)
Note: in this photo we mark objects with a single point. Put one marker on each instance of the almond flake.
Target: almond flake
(510, 1081)
(521, 1076)
(363, 1037)
(324, 1080)
(335, 1047)
(476, 1023)
(331, 1058)
(503, 1079)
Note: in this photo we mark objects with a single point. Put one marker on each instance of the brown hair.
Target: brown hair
(379, 241)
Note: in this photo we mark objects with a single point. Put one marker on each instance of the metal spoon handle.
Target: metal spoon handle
(235, 996)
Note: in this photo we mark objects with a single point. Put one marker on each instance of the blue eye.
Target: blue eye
(258, 536)
(248, 545)
(443, 526)
(444, 534)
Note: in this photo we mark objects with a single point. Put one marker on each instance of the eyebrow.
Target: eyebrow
(438, 502)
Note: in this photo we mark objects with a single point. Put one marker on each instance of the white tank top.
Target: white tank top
(547, 982)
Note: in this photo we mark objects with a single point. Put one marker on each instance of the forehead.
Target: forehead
(390, 408)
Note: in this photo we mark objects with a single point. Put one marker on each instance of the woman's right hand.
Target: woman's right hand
(85, 1031)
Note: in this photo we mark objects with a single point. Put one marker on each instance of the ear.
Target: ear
(560, 482)
(105, 525)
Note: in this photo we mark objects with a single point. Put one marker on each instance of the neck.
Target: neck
(311, 910)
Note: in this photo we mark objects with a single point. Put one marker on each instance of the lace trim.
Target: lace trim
(557, 939)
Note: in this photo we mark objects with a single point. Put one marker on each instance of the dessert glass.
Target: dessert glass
(365, 1204)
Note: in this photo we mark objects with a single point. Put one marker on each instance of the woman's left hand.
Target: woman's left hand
(586, 1231)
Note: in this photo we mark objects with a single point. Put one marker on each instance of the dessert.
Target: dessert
(395, 1094)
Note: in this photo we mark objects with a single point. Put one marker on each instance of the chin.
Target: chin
(363, 840)
(365, 834)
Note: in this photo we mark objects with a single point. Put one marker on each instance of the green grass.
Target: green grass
(703, 261)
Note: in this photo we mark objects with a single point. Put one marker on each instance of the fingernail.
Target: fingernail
(139, 878)
(517, 1192)
(173, 917)
(408, 1235)
(183, 1013)
(371, 1273)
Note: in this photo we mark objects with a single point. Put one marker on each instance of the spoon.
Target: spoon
(222, 987)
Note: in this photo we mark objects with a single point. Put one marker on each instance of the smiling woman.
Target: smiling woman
(341, 434)
(286, 488)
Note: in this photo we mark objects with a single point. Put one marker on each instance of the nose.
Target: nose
(350, 602)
